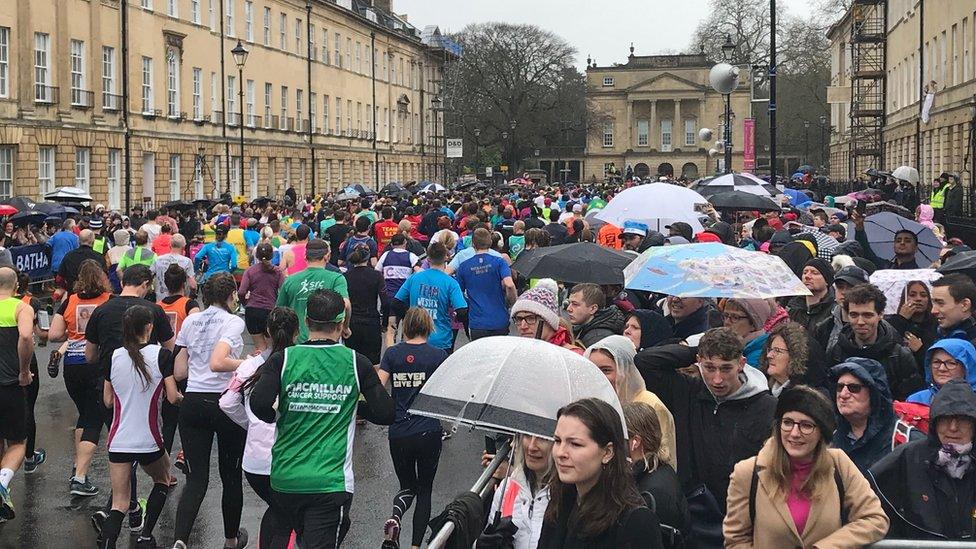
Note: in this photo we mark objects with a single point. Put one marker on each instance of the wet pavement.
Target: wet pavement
(49, 517)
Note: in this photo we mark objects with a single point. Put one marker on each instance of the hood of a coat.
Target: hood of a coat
(959, 349)
(925, 213)
(879, 350)
(723, 230)
(753, 383)
(654, 327)
(872, 374)
(956, 398)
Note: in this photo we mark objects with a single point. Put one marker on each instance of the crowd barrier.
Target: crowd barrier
(33, 259)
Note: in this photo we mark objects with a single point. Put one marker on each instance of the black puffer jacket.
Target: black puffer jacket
(810, 317)
(898, 360)
(712, 435)
(607, 321)
(920, 499)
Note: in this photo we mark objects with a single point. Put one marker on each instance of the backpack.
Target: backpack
(754, 485)
(671, 537)
(911, 416)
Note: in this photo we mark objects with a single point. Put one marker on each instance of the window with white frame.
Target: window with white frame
(349, 116)
(212, 12)
(967, 71)
(267, 104)
(198, 176)
(955, 55)
(249, 20)
(298, 37)
(325, 46)
(229, 23)
(608, 81)
(337, 60)
(326, 123)
(369, 120)
(313, 50)
(82, 167)
(172, 83)
(338, 116)
(665, 135)
(146, 4)
(690, 132)
(45, 169)
(197, 93)
(195, 11)
(147, 85)
(174, 177)
(348, 62)
(77, 72)
(232, 108)
(359, 117)
(235, 173)
(214, 97)
(284, 108)
(386, 127)
(287, 179)
(6, 172)
(109, 99)
(642, 131)
(42, 70)
(608, 133)
(253, 172)
(299, 99)
(267, 26)
(283, 31)
(216, 175)
(272, 186)
(249, 97)
(359, 57)
(301, 175)
(172, 8)
(312, 113)
(4, 61)
(114, 168)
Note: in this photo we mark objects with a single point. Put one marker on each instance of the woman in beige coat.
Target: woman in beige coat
(802, 494)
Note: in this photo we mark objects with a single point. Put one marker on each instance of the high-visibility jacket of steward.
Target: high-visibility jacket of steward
(938, 198)
(312, 453)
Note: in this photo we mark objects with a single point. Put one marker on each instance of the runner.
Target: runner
(437, 292)
(209, 344)
(16, 347)
(281, 331)
(415, 441)
(259, 291)
(396, 264)
(221, 257)
(82, 379)
(293, 259)
(312, 484)
(138, 373)
(366, 289)
(34, 456)
(297, 288)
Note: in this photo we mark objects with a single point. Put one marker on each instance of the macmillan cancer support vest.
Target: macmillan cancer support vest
(312, 453)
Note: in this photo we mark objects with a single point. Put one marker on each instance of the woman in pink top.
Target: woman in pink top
(799, 492)
(293, 260)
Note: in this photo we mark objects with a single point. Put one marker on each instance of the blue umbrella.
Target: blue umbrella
(881, 229)
(797, 198)
(712, 270)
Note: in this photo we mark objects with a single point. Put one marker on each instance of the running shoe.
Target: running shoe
(98, 519)
(181, 464)
(179, 545)
(137, 516)
(6, 504)
(445, 434)
(391, 534)
(241, 540)
(54, 364)
(84, 489)
(146, 542)
(32, 463)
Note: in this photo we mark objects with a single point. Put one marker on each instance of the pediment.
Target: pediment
(666, 81)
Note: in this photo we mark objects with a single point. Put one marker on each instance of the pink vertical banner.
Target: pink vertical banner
(749, 145)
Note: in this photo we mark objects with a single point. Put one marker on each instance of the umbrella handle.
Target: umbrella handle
(480, 487)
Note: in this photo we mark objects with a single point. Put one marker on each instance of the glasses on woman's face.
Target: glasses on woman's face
(529, 320)
(734, 317)
(787, 424)
(778, 351)
(945, 365)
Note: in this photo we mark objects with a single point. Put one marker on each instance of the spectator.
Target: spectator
(747, 319)
(914, 321)
(846, 278)
(632, 236)
(688, 316)
(953, 297)
(946, 360)
(646, 328)
(591, 317)
(868, 337)
(535, 314)
(811, 310)
(789, 358)
(905, 247)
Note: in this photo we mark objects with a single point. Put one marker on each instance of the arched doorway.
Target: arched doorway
(665, 169)
(689, 171)
(642, 170)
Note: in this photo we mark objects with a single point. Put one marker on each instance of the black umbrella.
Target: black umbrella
(179, 205)
(28, 217)
(576, 262)
(204, 203)
(55, 209)
(394, 190)
(22, 203)
(738, 201)
(963, 262)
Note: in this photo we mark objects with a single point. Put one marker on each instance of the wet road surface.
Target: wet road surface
(49, 517)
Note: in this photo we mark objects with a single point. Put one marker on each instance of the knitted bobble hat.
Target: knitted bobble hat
(541, 300)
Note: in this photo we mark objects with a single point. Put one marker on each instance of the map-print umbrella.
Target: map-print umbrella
(512, 385)
(712, 270)
(881, 229)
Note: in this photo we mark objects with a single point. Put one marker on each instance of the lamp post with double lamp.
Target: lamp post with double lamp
(240, 58)
(823, 141)
(724, 78)
(505, 146)
(477, 152)
(436, 103)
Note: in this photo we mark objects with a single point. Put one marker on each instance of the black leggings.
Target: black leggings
(415, 459)
(320, 520)
(171, 417)
(275, 531)
(85, 387)
(366, 338)
(200, 420)
(30, 395)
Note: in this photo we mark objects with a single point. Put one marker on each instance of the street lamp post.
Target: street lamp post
(511, 146)
(823, 140)
(240, 57)
(724, 78)
(505, 146)
(806, 141)
(477, 152)
(436, 103)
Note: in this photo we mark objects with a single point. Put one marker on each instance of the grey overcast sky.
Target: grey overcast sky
(603, 29)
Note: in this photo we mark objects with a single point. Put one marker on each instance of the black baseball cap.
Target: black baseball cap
(852, 275)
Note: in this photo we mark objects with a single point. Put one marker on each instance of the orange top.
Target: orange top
(609, 236)
(78, 310)
(175, 312)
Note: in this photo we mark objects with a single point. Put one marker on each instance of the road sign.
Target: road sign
(488, 171)
(455, 148)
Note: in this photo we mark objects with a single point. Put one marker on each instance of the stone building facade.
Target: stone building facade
(654, 106)
(63, 94)
(927, 40)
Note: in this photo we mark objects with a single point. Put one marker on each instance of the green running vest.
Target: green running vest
(312, 453)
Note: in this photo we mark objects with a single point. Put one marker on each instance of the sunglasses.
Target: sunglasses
(852, 388)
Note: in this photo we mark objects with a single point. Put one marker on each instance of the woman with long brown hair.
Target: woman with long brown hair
(594, 503)
(799, 492)
(259, 292)
(82, 379)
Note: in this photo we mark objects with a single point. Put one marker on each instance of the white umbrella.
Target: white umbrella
(893, 282)
(511, 384)
(432, 188)
(70, 194)
(906, 173)
(656, 204)
(745, 182)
